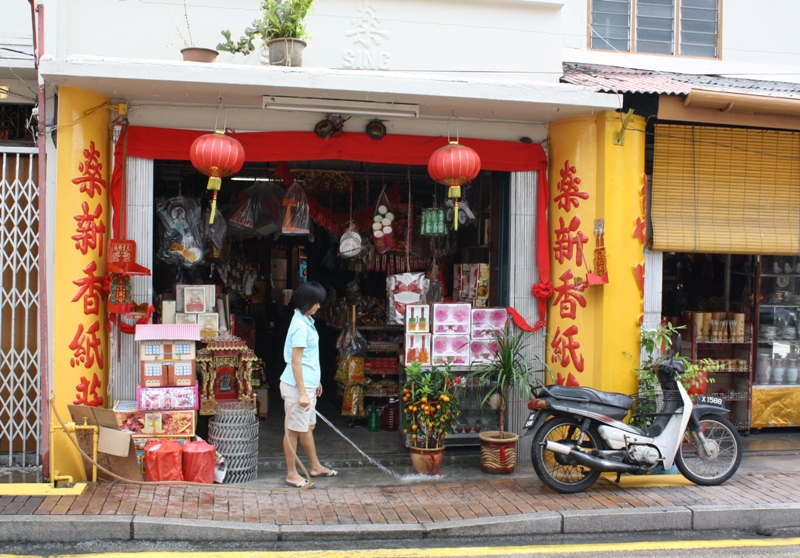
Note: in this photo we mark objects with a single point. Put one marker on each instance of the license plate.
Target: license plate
(529, 422)
(709, 400)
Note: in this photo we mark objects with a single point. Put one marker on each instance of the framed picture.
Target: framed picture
(181, 318)
(194, 300)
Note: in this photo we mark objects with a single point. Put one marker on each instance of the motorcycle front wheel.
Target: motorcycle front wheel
(709, 466)
(560, 472)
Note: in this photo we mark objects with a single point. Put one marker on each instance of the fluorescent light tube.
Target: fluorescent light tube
(335, 106)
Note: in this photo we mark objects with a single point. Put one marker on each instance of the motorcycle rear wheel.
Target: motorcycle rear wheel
(557, 471)
(710, 470)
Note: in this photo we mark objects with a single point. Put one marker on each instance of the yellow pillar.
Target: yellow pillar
(80, 343)
(593, 330)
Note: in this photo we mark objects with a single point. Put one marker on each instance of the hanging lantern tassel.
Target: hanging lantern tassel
(453, 165)
(214, 184)
(454, 192)
(217, 156)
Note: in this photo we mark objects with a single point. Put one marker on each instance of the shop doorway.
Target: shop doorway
(256, 268)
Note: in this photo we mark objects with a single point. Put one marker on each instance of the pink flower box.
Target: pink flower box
(450, 349)
(183, 398)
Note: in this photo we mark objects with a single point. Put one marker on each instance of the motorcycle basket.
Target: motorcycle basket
(649, 404)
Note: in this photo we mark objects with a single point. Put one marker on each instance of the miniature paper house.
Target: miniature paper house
(167, 354)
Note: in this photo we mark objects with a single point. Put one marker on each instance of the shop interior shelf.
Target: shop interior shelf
(385, 393)
(381, 371)
(381, 327)
(383, 347)
(747, 342)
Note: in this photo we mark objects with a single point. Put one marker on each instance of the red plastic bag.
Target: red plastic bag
(163, 461)
(198, 461)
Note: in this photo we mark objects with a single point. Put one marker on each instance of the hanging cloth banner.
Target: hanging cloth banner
(172, 144)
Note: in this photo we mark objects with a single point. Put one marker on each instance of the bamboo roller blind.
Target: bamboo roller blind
(725, 190)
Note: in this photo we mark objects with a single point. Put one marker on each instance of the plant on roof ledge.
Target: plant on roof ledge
(281, 20)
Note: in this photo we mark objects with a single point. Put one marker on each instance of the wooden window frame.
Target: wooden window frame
(676, 42)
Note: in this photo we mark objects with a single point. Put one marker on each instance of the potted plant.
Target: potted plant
(508, 369)
(191, 52)
(430, 412)
(657, 343)
(281, 30)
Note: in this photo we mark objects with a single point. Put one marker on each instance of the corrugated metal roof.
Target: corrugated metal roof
(167, 332)
(615, 79)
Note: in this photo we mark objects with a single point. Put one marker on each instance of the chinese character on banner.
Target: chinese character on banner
(91, 289)
(91, 179)
(86, 347)
(565, 241)
(87, 392)
(91, 230)
(569, 296)
(568, 186)
(564, 348)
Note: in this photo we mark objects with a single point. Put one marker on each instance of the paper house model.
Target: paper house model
(167, 354)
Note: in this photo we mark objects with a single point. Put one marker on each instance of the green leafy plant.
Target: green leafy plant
(430, 406)
(657, 344)
(281, 19)
(509, 368)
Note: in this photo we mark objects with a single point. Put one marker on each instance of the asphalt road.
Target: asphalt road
(780, 544)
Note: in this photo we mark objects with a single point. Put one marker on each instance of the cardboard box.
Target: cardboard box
(418, 348)
(487, 320)
(183, 318)
(451, 319)
(262, 402)
(168, 311)
(115, 449)
(167, 398)
(154, 423)
(194, 300)
(209, 324)
(278, 268)
(482, 351)
(418, 318)
(450, 349)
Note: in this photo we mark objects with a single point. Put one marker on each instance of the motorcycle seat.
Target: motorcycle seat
(619, 400)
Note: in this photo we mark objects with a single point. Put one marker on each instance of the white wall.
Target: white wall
(759, 40)
(16, 52)
(487, 37)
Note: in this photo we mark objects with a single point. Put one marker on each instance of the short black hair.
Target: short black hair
(307, 295)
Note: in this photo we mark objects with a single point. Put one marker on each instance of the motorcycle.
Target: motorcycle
(578, 433)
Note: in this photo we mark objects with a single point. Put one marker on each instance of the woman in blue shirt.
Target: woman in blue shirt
(300, 383)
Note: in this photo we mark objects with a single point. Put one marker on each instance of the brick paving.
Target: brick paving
(439, 501)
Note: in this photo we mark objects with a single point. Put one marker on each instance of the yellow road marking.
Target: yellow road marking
(465, 551)
(41, 489)
(648, 481)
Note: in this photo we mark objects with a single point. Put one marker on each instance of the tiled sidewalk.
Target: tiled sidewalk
(420, 502)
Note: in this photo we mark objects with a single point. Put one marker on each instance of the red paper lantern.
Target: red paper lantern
(217, 156)
(453, 165)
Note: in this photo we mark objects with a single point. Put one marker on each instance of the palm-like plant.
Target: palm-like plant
(509, 369)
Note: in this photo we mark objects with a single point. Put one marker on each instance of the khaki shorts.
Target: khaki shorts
(300, 419)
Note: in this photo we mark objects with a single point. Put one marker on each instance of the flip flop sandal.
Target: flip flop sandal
(331, 473)
(302, 484)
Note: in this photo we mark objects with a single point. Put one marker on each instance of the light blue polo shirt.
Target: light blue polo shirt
(302, 333)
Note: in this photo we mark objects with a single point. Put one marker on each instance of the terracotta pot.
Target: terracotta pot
(427, 461)
(199, 54)
(498, 455)
(286, 52)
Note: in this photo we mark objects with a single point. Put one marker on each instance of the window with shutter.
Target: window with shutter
(673, 27)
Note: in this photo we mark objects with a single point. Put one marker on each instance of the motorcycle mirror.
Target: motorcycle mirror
(677, 345)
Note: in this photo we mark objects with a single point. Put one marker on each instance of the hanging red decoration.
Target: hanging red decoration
(217, 156)
(454, 165)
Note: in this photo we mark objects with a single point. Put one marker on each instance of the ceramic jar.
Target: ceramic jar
(778, 371)
(763, 369)
(791, 371)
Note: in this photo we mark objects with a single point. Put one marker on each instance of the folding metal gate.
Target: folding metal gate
(20, 403)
